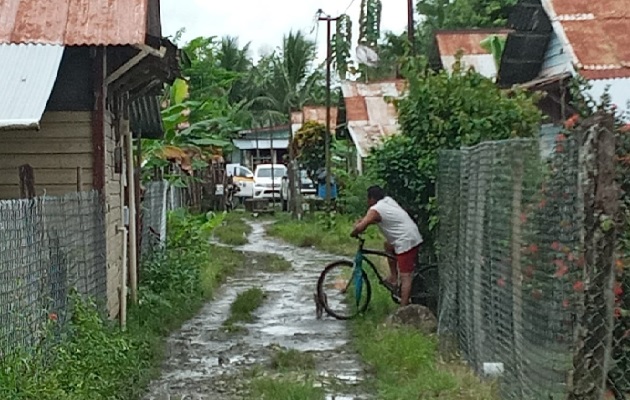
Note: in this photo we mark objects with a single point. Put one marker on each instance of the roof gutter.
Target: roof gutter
(145, 51)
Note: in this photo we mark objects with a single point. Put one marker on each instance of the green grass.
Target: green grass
(244, 305)
(233, 230)
(284, 389)
(404, 361)
(271, 263)
(315, 231)
(292, 360)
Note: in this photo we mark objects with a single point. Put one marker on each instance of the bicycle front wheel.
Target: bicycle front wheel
(336, 291)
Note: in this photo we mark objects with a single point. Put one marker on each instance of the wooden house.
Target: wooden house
(74, 77)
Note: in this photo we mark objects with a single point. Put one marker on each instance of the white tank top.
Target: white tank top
(396, 225)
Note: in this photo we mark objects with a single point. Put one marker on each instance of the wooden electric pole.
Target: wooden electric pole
(328, 20)
(410, 27)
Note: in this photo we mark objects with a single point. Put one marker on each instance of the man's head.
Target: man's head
(374, 194)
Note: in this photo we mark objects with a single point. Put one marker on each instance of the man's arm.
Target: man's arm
(372, 217)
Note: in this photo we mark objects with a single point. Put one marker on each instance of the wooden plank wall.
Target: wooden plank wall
(114, 202)
(63, 143)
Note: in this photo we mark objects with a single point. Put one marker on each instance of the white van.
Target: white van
(264, 186)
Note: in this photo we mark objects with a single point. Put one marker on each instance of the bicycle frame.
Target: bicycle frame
(363, 252)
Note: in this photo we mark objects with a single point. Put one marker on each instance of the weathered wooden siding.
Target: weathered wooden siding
(556, 60)
(63, 143)
(113, 219)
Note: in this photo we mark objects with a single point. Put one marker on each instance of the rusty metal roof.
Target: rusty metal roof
(468, 42)
(27, 76)
(595, 34)
(313, 113)
(74, 22)
(370, 114)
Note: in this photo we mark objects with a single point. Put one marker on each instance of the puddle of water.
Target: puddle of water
(287, 318)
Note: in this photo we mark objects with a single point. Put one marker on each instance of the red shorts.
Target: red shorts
(407, 261)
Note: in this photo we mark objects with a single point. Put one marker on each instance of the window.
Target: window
(266, 172)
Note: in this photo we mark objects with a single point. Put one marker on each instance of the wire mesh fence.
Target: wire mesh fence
(159, 197)
(48, 247)
(517, 294)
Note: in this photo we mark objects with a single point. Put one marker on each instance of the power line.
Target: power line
(349, 5)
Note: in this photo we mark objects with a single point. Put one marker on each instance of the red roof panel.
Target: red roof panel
(73, 22)
(468, 41)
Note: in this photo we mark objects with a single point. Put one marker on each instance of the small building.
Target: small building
(467, 44)
(261, 146)
(370, 114)
(74, 77)
(553, 40)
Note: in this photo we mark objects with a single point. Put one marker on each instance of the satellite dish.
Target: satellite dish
(367, 56)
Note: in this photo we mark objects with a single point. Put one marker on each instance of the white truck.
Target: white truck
(264, 185)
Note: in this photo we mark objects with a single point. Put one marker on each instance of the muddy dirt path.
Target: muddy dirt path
(206, 362)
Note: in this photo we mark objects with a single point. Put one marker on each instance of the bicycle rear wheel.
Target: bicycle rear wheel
(336, 291)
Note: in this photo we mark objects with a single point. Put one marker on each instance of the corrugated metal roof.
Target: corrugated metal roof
(369, 113)
(27, 76)
(469, 43)
(145, 118)
(74, 22)
(594, 33)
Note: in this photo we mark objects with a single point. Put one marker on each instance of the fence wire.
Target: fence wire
(159, 197)
(510, 266)
(48, 247)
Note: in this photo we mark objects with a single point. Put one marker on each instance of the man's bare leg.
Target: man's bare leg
(405, 288)
(393, 266)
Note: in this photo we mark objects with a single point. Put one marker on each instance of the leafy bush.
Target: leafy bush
(445, 111)
(352, 200)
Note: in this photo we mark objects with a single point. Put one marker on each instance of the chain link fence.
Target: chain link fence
(159, 197)
(517, 295)
(48, 247)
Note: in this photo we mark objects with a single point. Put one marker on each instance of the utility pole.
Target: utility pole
(328, 20)
(410, 27)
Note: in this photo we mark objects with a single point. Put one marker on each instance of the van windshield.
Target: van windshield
(278, 172)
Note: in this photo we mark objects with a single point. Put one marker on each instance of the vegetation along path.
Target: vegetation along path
(260, 337)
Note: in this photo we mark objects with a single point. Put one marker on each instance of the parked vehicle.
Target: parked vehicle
(264, 186)
(243, 178)
(307, 189)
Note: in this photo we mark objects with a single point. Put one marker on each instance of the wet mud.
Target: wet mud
(204, 361)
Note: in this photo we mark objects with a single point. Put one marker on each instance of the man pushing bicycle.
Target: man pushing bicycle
(402, 238)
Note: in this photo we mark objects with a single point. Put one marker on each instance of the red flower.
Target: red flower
(560, 137)
(618, 290)
(556, 246)
(562, 268)
(565, 303)
(578, 286)
(501, 282)
(53, 317)
(570, 123)
(617, 312)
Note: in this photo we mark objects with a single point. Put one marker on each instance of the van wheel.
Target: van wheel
(285, 205)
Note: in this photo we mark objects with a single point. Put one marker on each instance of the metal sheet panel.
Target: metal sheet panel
(74, 22)
(27, 76)
(146, 119)
(249, 144)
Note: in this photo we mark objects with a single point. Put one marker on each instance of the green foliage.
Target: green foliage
(352, 200)
(445, 111)
(309, 144)
(285, 389)
(233, 230)
(244, 305)
(370, 22)
(447, 14)
(342, 45)
(292, 360)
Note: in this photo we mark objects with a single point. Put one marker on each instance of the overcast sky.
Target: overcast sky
(264, 22)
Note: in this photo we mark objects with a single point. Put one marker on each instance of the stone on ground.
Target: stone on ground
(415, 316)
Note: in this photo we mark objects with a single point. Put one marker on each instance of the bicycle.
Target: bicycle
(424, 289)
